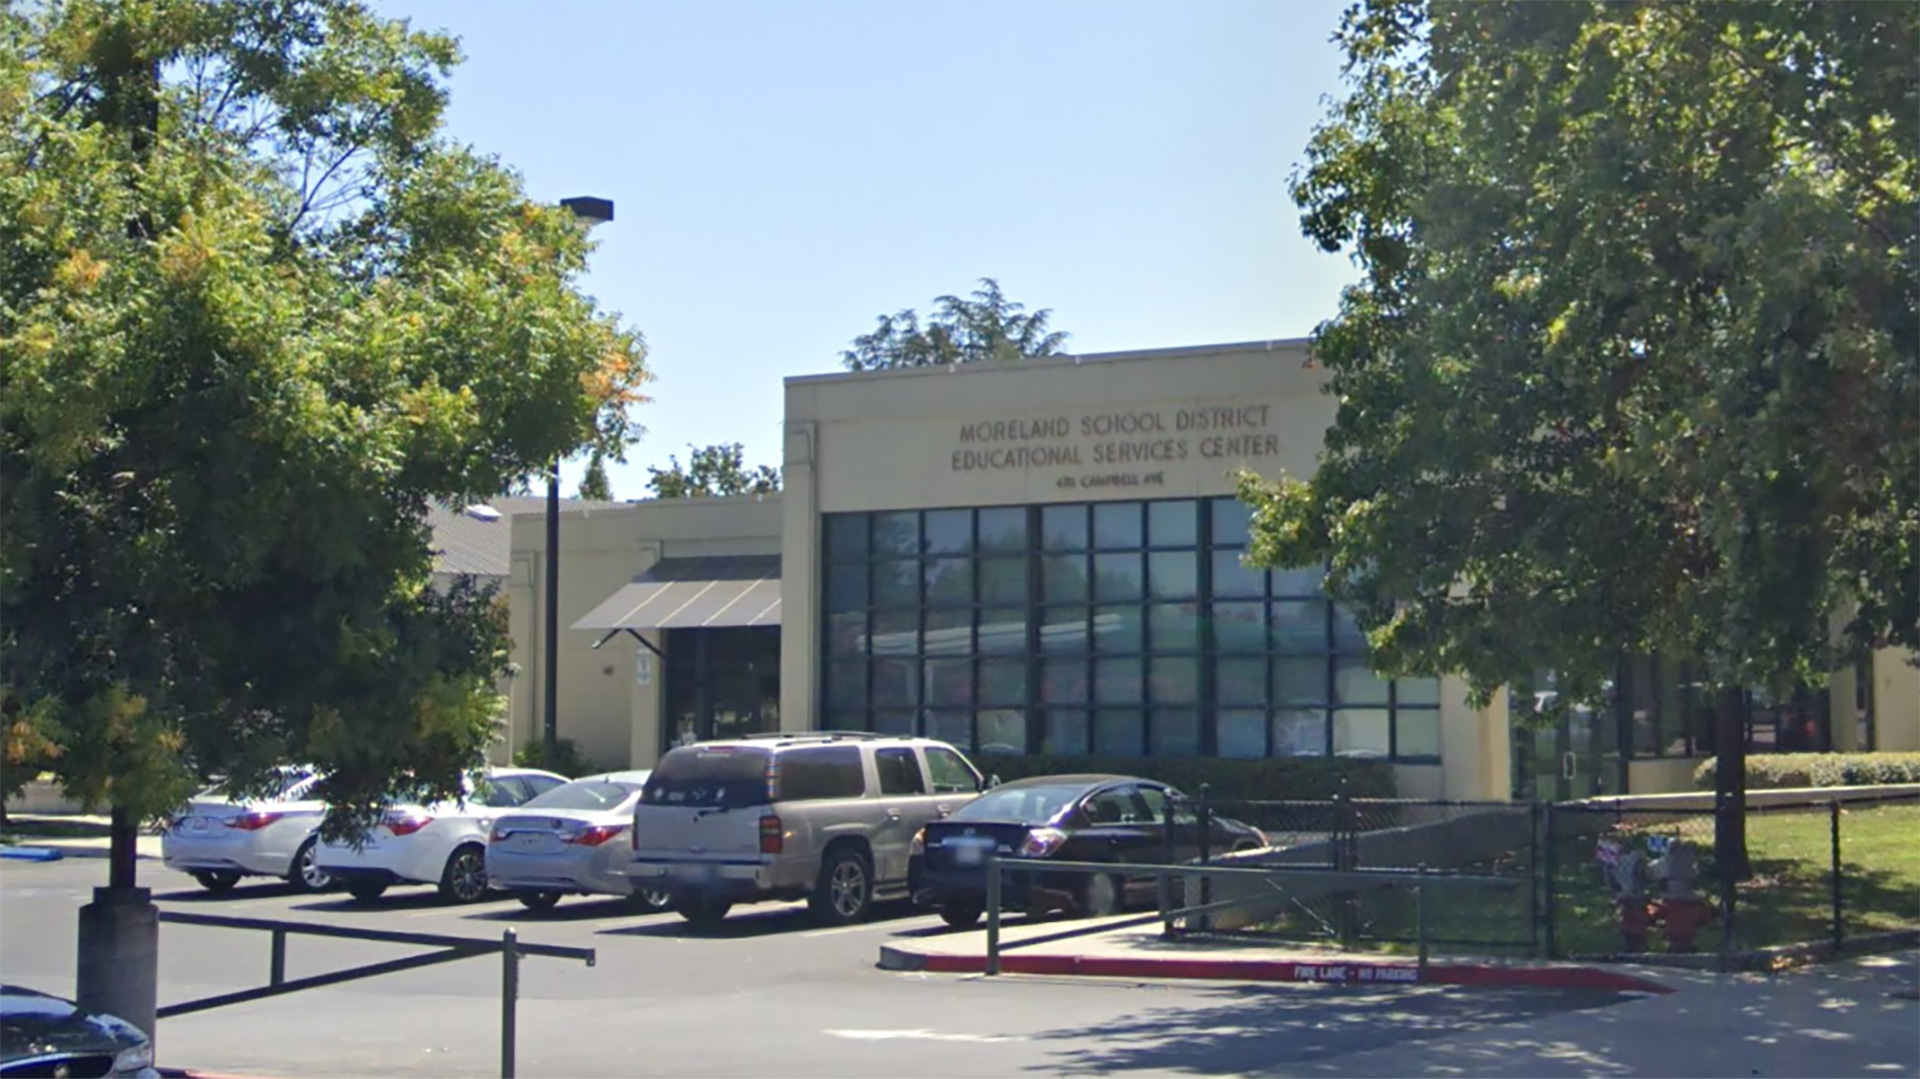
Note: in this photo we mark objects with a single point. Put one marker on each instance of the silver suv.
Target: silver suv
(825, 816)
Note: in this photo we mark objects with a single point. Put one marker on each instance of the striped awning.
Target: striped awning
(688, 593)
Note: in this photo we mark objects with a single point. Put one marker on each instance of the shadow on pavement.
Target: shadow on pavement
(746, 922)
(580, 909)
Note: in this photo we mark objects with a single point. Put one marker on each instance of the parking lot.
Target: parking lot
(766, 994)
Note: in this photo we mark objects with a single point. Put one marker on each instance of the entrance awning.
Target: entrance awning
(689, 593)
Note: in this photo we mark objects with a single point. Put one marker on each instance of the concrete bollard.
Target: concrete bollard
(119, 969)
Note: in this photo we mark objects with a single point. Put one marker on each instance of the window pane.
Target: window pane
(1174, 733)
(1298, 582)
(949, 531)
(1116, 526)
(846, 536)
(1299, 733)
(949, 582)
(1003, 631)
(949, 683)
(1003, 529)
(1417, 691)
(1118, 577)
(1354, 682)
(893, 723)
(1174, 680)
(1239, 627)
(1003, 582)
(1118, 630)
(1347, 636)
(899, 772)
(896, 683)
(896, 583)
(847, 684)
(1063, 578)
(1417, 733)
(1003, 731)
(1174, 627)
(1230, 519)
(1241, 681)
(1242, 734)
(847, 720)
(1066, 732)
(846, 634)
(1173, 524)
(1299, 626)
(1233, 579)
(1002, 682)
(1300, 680)
(1360, 732)
(953, 728)
(1063, 681)
(1173, 574)
(949, 632)
(895, 633)
(1116, 681)
(1119, 732)
(1063, 528)
(896, 535)
(846, 587)
(1063, 630)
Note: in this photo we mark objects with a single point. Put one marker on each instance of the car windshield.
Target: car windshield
(1028, 805)
(584, 794)
(709, 777)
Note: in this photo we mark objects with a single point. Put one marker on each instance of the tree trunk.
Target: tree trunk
(1730, 784)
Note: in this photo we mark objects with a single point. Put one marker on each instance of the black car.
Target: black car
(43, 1035)
(1079, 818)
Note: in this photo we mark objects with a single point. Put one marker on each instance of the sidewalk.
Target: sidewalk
(1140, 952)
(48, 837)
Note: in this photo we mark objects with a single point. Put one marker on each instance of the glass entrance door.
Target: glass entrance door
(1576, 755)
(721, 683)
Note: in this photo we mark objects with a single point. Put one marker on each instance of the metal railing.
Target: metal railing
(1419, 880)
(450, 949)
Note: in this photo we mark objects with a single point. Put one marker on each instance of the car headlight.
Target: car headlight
(134, 1060)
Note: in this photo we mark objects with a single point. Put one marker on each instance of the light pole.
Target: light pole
(593, 211)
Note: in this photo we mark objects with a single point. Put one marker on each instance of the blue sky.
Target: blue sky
(784, 173)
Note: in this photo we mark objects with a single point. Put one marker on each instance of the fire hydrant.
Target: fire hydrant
(1681, 912)
(1626, 875)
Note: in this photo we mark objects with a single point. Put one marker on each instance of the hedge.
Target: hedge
(1274, 778)
(1773, 771)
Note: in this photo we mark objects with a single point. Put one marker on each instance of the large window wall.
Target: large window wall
(1118, 628)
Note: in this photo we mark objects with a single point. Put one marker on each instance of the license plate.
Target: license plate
(694, 873)
(969, 855)
(528, 842)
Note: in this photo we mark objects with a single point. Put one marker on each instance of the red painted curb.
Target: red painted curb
(1268, 970)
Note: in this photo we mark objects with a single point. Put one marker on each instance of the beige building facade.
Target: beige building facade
(1045, 558)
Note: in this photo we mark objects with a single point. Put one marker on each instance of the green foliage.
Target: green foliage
(594, 486)
(717, 471)
(988, 327)
(567, 758)
(1777, 771)
(1272, 779)
(256, 313)
(1633, 365)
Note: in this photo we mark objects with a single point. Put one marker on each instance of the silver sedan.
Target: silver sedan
(573, 840)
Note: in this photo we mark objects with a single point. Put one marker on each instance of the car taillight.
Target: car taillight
(1041, 842)
(253, 821)
(919, 844)
(772, 839)
(596, 835)
(406, 823)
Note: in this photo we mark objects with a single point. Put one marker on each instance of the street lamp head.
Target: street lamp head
(589, 209)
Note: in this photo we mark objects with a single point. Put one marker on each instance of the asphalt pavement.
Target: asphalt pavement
(769, 993)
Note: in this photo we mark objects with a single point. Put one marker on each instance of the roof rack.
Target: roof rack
(797, 735)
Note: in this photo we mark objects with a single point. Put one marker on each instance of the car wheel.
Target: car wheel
(845, 891)
(367, 891)
(307, 877)
(465, 878)
(1100, 896)
(653, 900)
(960, 916)
(538, 900)
(705, 913)
(217, 881)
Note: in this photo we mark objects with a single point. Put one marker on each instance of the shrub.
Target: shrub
(1774, 771)
(567, 759)
(1276, 778)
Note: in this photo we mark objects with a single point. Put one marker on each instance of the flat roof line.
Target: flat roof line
(1067, 360)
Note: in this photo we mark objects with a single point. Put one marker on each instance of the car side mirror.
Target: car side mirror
(992, 782)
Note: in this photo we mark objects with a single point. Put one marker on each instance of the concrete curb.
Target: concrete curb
(1346, 971)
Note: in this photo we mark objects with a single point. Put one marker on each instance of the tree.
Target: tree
(717, 471)
(1632, 364)
(987, 327)
(256, 313)
(594, 485)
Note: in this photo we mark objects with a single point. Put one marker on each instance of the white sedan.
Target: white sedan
(219, 840)
(572, 840)
(443, 844)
